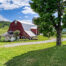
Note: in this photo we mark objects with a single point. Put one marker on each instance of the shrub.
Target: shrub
(16, 34)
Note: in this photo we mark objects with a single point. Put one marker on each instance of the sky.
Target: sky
(11, 10)
(16, 10)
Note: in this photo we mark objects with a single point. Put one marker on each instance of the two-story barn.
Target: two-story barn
(26, 29)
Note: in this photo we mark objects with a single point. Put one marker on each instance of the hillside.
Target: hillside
(4, 23)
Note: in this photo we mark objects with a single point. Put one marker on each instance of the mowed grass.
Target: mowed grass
(34, 55)
(3, 30)
(39, 38)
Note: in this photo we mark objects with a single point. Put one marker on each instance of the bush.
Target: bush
(16, 34)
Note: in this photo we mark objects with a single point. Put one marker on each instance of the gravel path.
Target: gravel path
(30, 43)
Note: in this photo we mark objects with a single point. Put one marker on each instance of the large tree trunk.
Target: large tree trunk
(59, 29)
(58, 41)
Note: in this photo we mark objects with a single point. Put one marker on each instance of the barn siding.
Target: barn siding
(35, 31)
(18, 26)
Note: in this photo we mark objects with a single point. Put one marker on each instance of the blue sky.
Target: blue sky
(16, 10)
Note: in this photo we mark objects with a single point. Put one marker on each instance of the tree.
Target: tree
(16, 34)
(47, 21)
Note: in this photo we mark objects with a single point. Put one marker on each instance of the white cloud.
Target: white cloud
(28, 10)
(12, 4)
(3, 19)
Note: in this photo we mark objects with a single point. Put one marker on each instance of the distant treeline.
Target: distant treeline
(4, 23)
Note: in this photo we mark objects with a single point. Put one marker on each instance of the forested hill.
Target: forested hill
(4, 23)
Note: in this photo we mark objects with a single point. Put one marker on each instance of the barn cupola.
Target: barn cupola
(15, 21)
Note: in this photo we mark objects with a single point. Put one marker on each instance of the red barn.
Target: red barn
(27, 30)
(34, 30)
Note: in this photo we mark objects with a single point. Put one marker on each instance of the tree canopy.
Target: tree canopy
(48, 21)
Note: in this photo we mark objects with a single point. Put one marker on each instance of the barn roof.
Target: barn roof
(26, 22)
(34, 27)
(30, 33)
(28, 26)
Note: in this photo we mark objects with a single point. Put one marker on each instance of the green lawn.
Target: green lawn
(64, 36)
(34, 55)
(3, 30)
(40, 38)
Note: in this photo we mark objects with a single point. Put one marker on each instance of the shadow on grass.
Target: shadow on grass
(34, 58)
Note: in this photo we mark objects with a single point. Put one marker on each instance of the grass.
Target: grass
(40, 38)
(64, 36)
(3, 30)
(34, 55)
